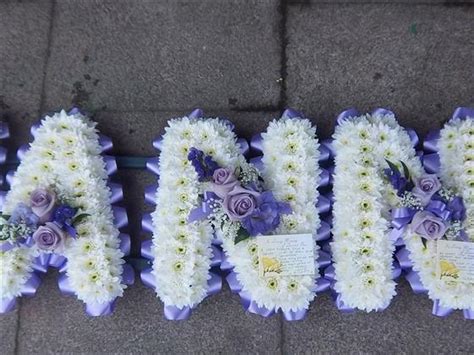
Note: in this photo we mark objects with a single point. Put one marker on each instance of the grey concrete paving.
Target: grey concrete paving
(151, 55)
(133, 65)
(416, 60)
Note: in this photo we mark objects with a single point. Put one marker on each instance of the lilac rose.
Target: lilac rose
(425, 187)
(240, 203)
(49, 237)
(224, 181)
(428, 226)
(42, 204)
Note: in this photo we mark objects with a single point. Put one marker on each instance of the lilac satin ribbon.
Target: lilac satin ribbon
(150, 194)
(153, 165)
(120, 216)
(9, 176)
(346, 115)
(256, 143)
(325, 178)
(147, 223)
(3, 155)
(431, 163)
(205, 209)
(45, 260)
(324, 259)
(20, 154)
(324, 232)
(110, 164)
(403, 257)
(258, 163)
(402, 216)
(105, 143)
(116, 192)
(323, 205)
(4, 131)
(290, 113)
(146, 249)
(430, 144)
(463, 113)
(244, 146)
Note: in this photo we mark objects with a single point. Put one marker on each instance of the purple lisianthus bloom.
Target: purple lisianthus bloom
(49, 237)
(398, 181)
(23, 214)
(425, 187)
(63, 213)
(224, 181)
(266, 217)
(457, 209)
(240, 203)
(203, 164)
(428, 226)
(42, 204)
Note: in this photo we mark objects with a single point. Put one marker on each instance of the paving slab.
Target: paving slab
(8, 331)
(407, 326)
(24, 28)
(52, 323)
(413, 59)
(156, 55)
(134, 132)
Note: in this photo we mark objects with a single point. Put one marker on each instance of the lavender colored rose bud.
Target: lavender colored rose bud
(428, 226)
(49, 237)
(425, 187)
(42, 204)
(224, 181)
(240, 203)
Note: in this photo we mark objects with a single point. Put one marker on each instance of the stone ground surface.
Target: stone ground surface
(134, 64)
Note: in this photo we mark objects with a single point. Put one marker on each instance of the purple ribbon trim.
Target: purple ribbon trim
(153, 165)
(9, 177)
(148, 278)
(413, 136)
(100, 309)
(74, 111)
(22, 151)
(257, 162)
(105, 143)
(463, 113)
(440, 311)
(325, 178)
(290, 113)
(147, 223)
(402, 216)
(256, 143)
(430, 143)
(403, 257)
(330, 273)
(120, 216)
(4, 131)
(158, 143)
(244, 146)
(324, 232)
(3, 155)
(3, 194)
(45, 260)
(34, 128)
(431, 163)
(396, 270)
(322, 285)
(214, 284)
(295, 315)
(128, 275)
(342, 306)
(150, 194)
(468, 313)
(323, 205)
(116, 192)
(415, 282)
(7, 305)
(325, 150)
(202, 212)
(216, 256)
(328, 146)
(65, 285)
(324, 259)
(110, 164)
(346, 115)
(145, 249)
(196, 113)
(125, 243)
(175, 313)
(382, 112)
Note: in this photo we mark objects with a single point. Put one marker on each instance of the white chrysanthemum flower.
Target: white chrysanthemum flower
(362, 251)
(456, 154)
(65, 157)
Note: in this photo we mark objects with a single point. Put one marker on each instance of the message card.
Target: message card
(286, 255)
(455, 261)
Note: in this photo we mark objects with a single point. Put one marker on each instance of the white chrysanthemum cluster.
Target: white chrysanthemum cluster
(65, 157)
(182, 250)
(362, 250)
(456, 153)
(291, 172)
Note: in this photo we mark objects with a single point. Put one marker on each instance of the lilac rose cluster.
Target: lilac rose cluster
(258, 212)
(46, 218)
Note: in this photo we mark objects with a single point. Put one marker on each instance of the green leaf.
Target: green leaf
(242, 235)
(423, 240)
(80, 218)
(406, 171)
(392, 166)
